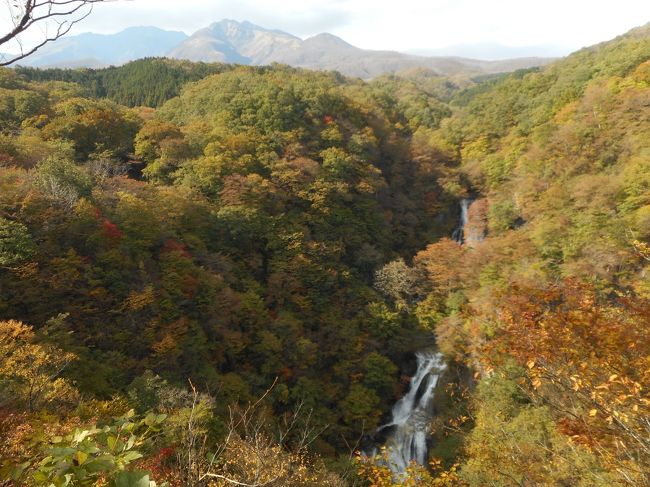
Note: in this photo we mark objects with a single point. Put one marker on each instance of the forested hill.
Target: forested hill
(286, 249)
(247, 253)
(146, 82)
(153, 81)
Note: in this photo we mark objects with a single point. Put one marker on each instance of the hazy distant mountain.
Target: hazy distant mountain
(246, 43)
(326, 51)
(493, 51)
(230, 41)
(98, 50)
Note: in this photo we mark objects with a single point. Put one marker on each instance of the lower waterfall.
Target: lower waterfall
(405, 437)
(406, 434)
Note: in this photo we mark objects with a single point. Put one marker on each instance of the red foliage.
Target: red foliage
(172, 245)
(111, 230)
(160, 466)
(328, 119)
(190, 286)
(286, 372)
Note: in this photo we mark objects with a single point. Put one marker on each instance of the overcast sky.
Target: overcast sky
(395, 24)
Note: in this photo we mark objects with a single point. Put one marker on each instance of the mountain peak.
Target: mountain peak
(235, 42)
(233, 28)
(326, 39)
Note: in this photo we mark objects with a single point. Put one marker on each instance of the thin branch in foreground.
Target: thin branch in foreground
(29, 15)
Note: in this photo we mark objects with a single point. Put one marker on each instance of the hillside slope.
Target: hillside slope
(551, 308)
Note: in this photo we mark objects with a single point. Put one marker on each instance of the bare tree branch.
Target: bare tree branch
(235, 482)
(54, 18)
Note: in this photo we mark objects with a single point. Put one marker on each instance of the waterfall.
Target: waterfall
(459, 233)
(406, 435)
(406, 440)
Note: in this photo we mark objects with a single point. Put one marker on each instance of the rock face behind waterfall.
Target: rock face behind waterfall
(406, 434)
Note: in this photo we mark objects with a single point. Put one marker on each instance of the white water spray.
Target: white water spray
(408, 430)
(459, 233)
(407, 441)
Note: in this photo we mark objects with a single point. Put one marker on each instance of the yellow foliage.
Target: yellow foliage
(139, 300)
(30, 371)
(376, 473)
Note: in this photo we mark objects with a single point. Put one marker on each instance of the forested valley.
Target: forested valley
(217, 275)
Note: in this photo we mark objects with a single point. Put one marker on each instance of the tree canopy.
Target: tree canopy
(213, 275)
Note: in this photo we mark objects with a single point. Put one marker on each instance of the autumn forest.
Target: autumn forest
(217, 275)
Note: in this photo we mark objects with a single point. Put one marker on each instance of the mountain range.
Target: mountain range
(231, 41)
(100, 50)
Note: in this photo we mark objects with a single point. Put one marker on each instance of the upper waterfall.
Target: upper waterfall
(459, 233)
(472, 225)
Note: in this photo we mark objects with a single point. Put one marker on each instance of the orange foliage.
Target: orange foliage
(590, 359)
(442, 263)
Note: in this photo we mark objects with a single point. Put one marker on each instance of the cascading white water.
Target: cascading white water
(459, 233)
(407, 438)
(407, 441)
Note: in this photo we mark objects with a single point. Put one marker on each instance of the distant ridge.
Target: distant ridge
(247, 43)
(492, 51)
(230, 41)
(100, 50)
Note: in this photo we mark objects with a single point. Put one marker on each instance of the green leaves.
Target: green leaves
(86, 455)
(80, 457)
(153, 421)
(132, 479)
(16, 244)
